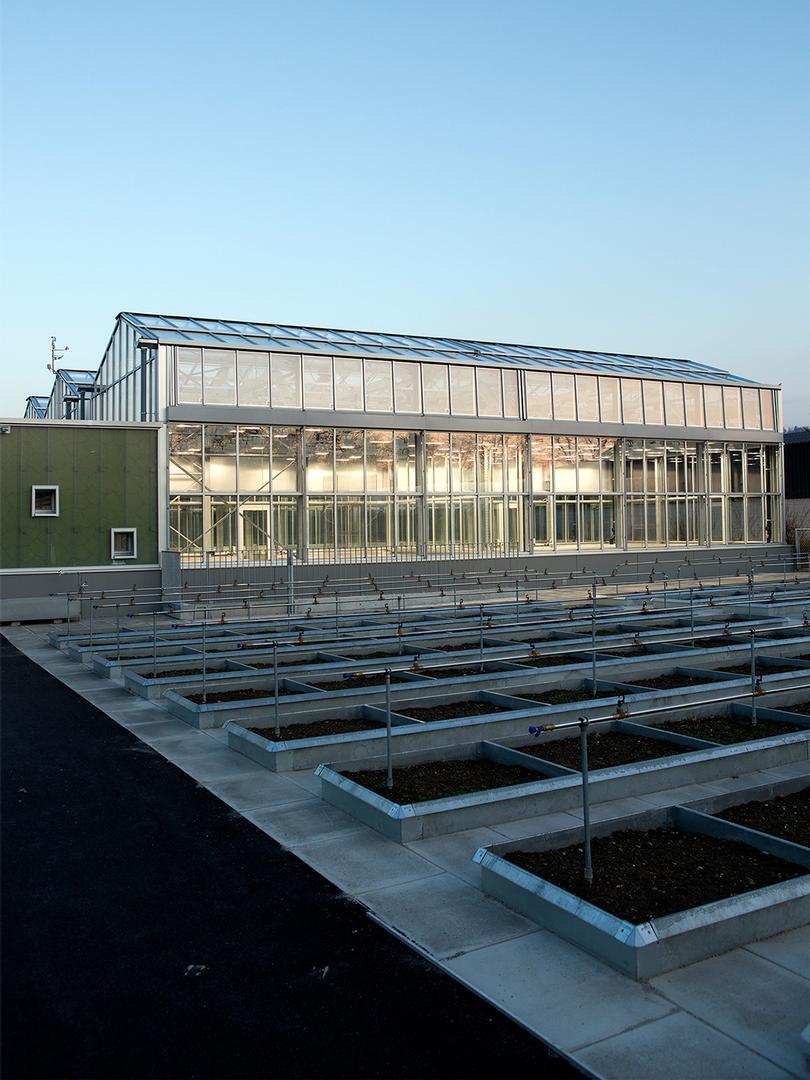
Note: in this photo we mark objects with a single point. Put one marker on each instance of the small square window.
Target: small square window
(123, 543)
(44, 500)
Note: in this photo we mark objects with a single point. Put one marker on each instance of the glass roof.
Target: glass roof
(74, 378)
(184, 330)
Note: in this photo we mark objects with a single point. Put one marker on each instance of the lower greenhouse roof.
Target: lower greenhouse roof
(186, 330)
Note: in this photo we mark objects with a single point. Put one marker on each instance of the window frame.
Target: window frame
(54, 489)
(123, 530)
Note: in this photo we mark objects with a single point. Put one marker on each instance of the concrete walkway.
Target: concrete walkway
(734, 1016)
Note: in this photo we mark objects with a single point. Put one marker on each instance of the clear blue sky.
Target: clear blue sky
(609, 174)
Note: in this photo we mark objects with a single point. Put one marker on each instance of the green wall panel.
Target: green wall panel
(107, 479)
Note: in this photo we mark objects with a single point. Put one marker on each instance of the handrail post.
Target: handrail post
(276, 722)
(586, 809)
(389, 768)
(593, 638)
(481, 636)
(154, 644)
(204, 668)
(753, 680)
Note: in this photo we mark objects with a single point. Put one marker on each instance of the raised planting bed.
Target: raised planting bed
(316, 729)
(355, 682)
(671, 682)
(559, 697)
(441, 779)
(642, 876)
(769, 667)
(786, 816)
(553, 659)
(729, 729)
(803, 709)
(450, 711)
(670, 887)
(606, 749)
(247, 694)
(457, 672)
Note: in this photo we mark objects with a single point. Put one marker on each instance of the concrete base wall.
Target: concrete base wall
(27, 596)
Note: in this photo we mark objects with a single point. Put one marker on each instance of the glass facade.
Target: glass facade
(205, 376)
(253, 491)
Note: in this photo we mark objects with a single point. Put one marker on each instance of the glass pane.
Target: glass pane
(489, 392)
(565, 463)
(185, 457)
(380, 524)
(318, 382)
(254, 458)
(755, 528)
(379, 388)
(735, 468)
(285, 459)
(511, 400)
(676, 468)
(407, 525)
(437, 461)
(220, 457)
(753, 458)
(716, 520)
(438, 523)
(462, 456)
(462, 391)
(538, 395)
(348, 384)
(490, 463)
(715, 470)
(587, 397)
(635, 522)
(254, 515)
(653, 402)
(514, 524)
(736, 521)
(185, 523)
(222, 525)
(566, 520)
(609, 400)
(285, 381)
(465, 526)
(731, 403)
(610, 465)
(590, 521)
(490, 523)
(693, 395)
(220, 376)
(541, 463)
(541, 521)
(435, 386)
(766, 401)
(750, 402)
(405, 446)
(349, 520)
(406, 388)
(254, 378)
(515, 449)
(673, 400)
(349, 459)
(589, 464)
(320, 472)
(379, 461)
(321, 523)
(189, 376)
(285, 524)
(631, 401)
(654, 457)
(714, 406)
(564, 404)
(609, 522)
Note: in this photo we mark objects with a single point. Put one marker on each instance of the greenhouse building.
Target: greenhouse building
(346, 446)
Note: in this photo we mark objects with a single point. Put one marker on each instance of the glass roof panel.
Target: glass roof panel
(170, 328)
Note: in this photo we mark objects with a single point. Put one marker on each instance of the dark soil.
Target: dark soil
(455, 647)
(605, 749)
(728, 729)
(763, 669)
(804, 708)
(440, 779)
(718, 642)
(557, 697)
(624, 650)
(315, 729)
(356, 682)
(175, 673)
(248, 694)
(787, 816)
(456, 672)
(131, 656)
(670, 871)
(669, 682)
(282, 663)
(553, 660)
(373, 655)
(453, 710)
